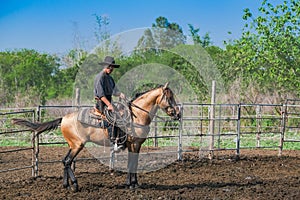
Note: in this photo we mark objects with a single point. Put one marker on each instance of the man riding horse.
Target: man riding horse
(142, 108)
(104, 88)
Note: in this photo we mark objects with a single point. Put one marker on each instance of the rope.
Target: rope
(121, 115)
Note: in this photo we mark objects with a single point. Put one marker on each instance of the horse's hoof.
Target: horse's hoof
(67, 186)
(74, 187)
(134, 186)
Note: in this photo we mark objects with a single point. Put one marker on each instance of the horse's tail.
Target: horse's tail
(38, 127)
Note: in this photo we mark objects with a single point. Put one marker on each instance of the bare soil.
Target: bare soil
(256, 174)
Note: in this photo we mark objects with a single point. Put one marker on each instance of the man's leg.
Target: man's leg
(110, 129)
(113, 134)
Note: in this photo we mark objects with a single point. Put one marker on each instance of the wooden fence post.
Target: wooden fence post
(258, 124)
(36, 144)
(283, 125)
(212, 120)
(77, 97)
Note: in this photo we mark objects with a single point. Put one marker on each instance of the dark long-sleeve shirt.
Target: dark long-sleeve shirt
(104, 85)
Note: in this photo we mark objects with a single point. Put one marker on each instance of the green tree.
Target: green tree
(204, 42)
(152, 65)
(268, 53)
(64, 79)
(26, 73)
(265, 60)
(101, 30)
(163, 35)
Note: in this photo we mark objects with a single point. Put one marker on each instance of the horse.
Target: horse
(142, 108)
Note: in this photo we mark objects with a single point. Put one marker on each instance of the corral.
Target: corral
(258, 174)
(244, 147)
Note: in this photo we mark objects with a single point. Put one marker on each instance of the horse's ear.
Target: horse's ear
(166, 85)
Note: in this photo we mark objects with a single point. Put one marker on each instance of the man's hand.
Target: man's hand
(107, 103)
(122, 96)
(110, 107)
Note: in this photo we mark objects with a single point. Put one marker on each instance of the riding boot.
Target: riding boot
(115, 132)
(111, 134)
(114, 142)
(119, 135)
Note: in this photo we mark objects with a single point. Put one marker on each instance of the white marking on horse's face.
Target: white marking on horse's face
(169, 105)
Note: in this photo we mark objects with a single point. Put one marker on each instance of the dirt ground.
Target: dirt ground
(257, 174)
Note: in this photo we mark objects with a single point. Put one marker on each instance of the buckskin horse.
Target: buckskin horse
(142, 110)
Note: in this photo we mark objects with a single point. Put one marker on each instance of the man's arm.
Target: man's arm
(107, 103)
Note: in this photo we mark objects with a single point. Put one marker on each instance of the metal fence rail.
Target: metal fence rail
(8, 132)
(203, 128)
(290, 123)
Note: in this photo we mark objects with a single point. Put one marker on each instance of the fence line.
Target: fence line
(290, 123)
(6, 131)
(235, 127)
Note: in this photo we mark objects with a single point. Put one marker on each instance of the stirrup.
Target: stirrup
(117, 148)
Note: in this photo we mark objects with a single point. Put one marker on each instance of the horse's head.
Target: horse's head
(166, 102)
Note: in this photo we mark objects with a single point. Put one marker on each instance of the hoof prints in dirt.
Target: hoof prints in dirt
(256, 175)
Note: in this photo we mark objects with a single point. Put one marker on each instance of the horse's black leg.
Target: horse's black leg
(68, 172)
(132, 181)
(66, 176)
(73, 180)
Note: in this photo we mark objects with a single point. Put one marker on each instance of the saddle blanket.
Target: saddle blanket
(86, 116)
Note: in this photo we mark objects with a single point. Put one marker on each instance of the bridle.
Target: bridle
(170, 105)
(129, 122)
(142, 109)
(169, 100)
(129, 104)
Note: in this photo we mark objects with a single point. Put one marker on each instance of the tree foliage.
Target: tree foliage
(205, 41)
(157, 64)
(163, 35)
(36, 76)
(266, 59)
(268, 52)
(26, 71)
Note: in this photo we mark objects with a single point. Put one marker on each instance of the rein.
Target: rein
(134, 105)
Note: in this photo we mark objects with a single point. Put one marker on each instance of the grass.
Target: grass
(10, 142)
(189, 140)
(291, 146)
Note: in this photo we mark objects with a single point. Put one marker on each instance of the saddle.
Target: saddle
(92, 117)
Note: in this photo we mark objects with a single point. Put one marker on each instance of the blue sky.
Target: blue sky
(48, 25)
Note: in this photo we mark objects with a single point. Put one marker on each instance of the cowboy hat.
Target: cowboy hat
(110, 61)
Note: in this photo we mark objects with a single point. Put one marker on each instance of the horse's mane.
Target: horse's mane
(137, 95)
